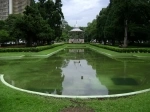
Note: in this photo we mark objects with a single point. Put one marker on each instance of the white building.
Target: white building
(76, 35)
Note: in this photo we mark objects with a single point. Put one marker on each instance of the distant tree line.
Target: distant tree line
(40, 23)
(122, 22)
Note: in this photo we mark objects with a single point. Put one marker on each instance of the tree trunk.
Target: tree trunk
(113, 42)
(125, 44)
(29, 42)
(104, 40)
(17, 41)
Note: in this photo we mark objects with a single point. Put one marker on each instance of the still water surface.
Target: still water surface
(78, 72)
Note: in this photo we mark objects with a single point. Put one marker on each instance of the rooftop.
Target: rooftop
(76, 29)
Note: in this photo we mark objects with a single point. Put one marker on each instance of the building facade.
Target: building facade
(4, 9)
(12, 7)
(76, 35)
(19, 6)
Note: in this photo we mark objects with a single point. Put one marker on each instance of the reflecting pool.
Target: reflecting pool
(78, 72)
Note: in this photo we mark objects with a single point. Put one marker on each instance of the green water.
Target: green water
(77, 72)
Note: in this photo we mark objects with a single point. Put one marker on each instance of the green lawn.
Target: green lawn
(45, 52)
(120, 55)
(16, 101)
(103, 51)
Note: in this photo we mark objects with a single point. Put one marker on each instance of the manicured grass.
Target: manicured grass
(117, 54)
(123, 50)
(45, 52)
(16, 101)
(15, 54)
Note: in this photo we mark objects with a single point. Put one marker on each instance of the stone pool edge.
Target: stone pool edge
(67, 96)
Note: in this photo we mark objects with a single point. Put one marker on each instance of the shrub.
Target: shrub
(30, 49)
(123, 50)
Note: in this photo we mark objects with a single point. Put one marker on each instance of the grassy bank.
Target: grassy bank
(16, 101)
(123, 50)
(44, 52)
(117, 54)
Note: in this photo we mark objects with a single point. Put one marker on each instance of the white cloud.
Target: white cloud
(83, 11)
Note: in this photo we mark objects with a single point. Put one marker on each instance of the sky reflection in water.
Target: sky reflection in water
(63, 74)
(80, 79)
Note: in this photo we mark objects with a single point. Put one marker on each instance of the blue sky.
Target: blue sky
(82, 11)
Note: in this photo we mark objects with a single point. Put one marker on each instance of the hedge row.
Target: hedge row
(124, 50)
(29, 49)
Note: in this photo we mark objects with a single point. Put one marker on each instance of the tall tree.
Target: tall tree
(35, 27)
(57, 18)
(52, 12)
(11, 25)
(4, 36)
(124, 21)
(2, 24)
(91, 31)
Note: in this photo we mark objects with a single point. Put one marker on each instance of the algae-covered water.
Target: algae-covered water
(77, 72)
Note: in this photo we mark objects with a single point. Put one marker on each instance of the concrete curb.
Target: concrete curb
(65, 96)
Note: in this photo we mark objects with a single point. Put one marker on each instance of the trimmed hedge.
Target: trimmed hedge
(123, 50)
(29, 49)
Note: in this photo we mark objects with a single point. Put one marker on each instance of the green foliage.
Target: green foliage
(12, 26)
(65, 29)
(52, 12)
(123, 50)
(30, 49)
(120, 20)
(40, 24)
(35, 27)
(2, 24)
(91, 31)
(4, 36)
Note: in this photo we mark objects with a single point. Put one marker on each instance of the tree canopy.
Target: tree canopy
(40, 23)
(123, 22)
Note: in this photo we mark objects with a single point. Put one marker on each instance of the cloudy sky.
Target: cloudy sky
(82, 11)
